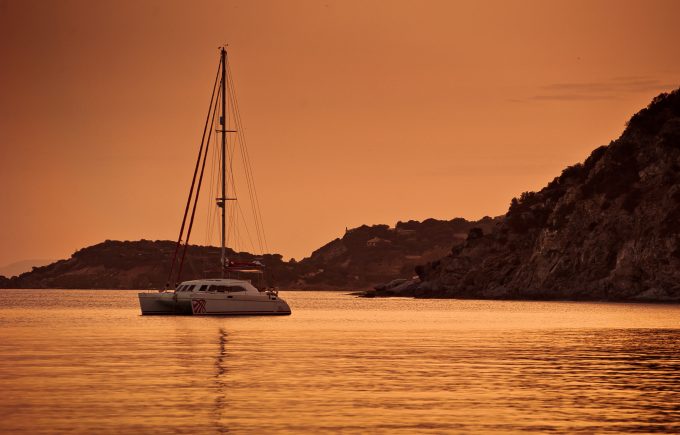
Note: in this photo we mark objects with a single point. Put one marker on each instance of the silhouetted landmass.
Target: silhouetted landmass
(129, 265)
(605, 229)
(362, 258)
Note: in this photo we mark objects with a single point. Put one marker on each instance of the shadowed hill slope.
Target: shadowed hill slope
(366, 256)
(605, 229)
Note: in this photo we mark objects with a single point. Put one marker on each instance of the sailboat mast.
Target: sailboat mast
(223, 58)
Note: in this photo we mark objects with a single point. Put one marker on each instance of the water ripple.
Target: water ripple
(85, 361)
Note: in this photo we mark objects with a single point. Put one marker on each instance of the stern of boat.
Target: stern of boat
(163, 303)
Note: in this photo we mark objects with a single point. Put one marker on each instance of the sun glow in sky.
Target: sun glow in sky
(357, 112)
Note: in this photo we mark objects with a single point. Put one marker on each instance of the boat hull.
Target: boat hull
(202, 304)
(163, 304)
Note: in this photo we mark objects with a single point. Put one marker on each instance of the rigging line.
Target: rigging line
(218, 177)
(256, 222)
(210, 195)
(216, 165)
(237, 236)
(236, 207)
(257, 219)
(232, 150)
(231, 146)
(227, 239)
(255, 205)
(238, 233)
(217, 154)
(245, 226)
(209, 230)
(247, 165)
(193, 180)
(232, 180)
(235, 232)
(247, 171)
(198, 191)
(231, 222)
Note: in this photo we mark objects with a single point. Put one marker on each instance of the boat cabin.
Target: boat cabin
(218, 286)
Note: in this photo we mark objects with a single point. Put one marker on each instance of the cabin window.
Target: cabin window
(226, 288)
(203, 288)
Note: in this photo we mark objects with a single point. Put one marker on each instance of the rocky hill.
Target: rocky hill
(130, 265)
(366, 256)
(362, 258)
(605, 229)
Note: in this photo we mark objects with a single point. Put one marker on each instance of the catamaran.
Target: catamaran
(225, 295)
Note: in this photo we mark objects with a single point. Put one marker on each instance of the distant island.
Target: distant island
(364, 257)
(605, 229)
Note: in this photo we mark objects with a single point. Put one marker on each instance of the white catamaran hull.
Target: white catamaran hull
(196, 303)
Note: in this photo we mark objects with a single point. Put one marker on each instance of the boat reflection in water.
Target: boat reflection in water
(220, 383)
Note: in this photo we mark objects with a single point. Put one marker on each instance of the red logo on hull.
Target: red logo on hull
(198, 306)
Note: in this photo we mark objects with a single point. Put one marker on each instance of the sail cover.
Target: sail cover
(245, 266)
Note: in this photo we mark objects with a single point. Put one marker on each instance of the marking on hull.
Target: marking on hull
(198, 306)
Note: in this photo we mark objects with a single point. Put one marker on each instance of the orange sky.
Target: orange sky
(356, 111)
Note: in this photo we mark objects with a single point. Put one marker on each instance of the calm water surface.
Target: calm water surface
(86, 361)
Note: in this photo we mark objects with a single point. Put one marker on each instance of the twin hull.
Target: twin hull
(202, 303)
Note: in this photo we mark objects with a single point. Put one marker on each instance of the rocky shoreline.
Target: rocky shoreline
(414, 288)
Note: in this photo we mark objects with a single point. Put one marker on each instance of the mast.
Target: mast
(223, 59)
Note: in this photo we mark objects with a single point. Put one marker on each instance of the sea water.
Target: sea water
(86, 361)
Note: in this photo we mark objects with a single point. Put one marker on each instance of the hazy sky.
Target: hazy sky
(357, 112)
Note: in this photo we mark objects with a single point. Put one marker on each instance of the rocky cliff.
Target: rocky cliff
(362, 258)
(605, 229)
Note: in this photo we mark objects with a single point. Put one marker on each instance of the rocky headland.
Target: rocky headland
(605, 229)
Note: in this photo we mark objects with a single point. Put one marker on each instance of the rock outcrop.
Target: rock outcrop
(605, 229)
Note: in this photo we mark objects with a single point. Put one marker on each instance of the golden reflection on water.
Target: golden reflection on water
(85, 361)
